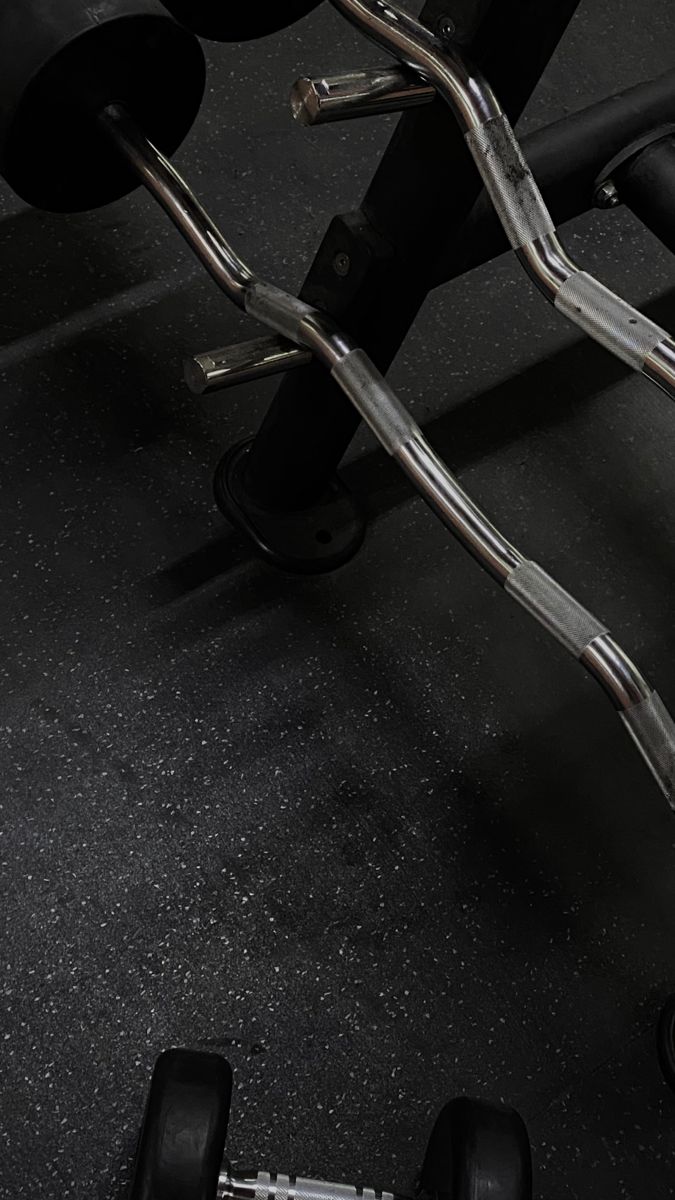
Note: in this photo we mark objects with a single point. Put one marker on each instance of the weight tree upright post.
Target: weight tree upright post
(373, 271)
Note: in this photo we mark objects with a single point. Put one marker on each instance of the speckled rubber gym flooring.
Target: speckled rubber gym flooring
(373, 834)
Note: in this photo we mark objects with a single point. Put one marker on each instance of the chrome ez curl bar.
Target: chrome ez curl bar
(510, 184)
(73, 85)
(587, 639)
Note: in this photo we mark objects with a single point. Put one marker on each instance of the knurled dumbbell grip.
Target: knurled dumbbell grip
(270, 1185)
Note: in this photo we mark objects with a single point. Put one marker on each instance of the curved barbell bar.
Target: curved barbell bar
(519, 204)
(641, 709)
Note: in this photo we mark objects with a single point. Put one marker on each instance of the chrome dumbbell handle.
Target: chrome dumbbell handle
(649, 723)
(235, 1184)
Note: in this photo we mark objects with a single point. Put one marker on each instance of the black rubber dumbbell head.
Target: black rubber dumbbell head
(239, 20)
(182, 1143)
(61, 63)
(478, 1151)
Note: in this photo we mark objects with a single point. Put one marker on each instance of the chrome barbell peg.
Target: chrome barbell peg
(243, 362)
(367, 93)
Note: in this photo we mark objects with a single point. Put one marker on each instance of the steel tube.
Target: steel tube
(181, 205)
(447, 498)
(647, 721)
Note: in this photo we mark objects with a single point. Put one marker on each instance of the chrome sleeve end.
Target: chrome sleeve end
(306, 97)
(364, 93)
(652, 728)
(242, 362)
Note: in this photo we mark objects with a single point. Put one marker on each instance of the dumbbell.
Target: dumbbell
(236, 20)
(477, 1150)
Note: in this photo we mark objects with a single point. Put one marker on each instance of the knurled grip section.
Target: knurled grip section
(553, 607)
(611, 321)
(374, 400)
(266, 1185)
(277, 309)
(509, 182)
(653, 730)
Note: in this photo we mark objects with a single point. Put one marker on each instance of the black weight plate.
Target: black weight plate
(60, 65)
(665, 1042)
(182, 1143)
(478, 1151)
(237, 20)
